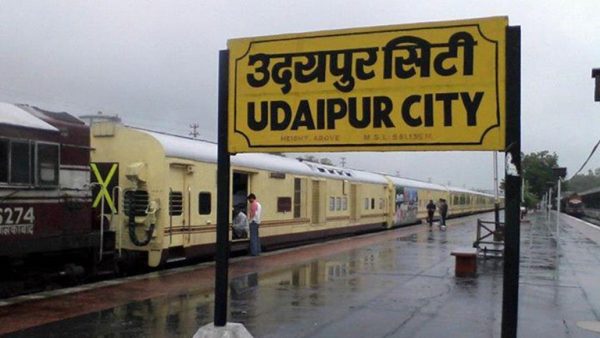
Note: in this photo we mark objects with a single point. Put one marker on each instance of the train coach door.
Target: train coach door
(240, 191)
(179, 226)
(354, 214)
(317, 201)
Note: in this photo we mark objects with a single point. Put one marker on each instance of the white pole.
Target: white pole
(558, 214)
(523, 187)
(101, 227)
(496, 204)
(549, 208)
(496, 176)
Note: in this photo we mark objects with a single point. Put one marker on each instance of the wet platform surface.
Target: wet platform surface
(397, 283)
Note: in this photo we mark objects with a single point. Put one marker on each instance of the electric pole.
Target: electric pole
(194, 133)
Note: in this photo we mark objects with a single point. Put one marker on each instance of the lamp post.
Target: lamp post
(559, 173)
(496, 203)
(596, 75)
(550, 185)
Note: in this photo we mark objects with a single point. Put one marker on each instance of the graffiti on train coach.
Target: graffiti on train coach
(407, 205)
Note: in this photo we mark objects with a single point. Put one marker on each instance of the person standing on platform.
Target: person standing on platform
(443, 208)
(430, 212)
(254, 212)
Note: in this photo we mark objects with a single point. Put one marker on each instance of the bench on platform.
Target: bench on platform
(466, 262)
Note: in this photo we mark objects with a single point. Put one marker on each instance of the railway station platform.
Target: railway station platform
(397, 283)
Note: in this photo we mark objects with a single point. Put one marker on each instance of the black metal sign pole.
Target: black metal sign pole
(510, 295)
(223, 182)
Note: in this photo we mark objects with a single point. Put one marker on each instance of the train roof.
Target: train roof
(590, 191)
(205, 151)
(331, 171)
(407, 182)
(457, 189)
(16, 115)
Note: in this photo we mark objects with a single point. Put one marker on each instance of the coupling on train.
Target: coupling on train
(110, 192)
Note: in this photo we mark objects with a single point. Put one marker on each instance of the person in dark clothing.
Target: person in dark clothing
(443, 208)
(430, 212)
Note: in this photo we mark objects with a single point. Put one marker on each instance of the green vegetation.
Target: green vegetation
(583, 182)
(537, 167)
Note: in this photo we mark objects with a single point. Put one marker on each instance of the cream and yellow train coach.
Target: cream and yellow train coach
(412, 196)
(160, 195)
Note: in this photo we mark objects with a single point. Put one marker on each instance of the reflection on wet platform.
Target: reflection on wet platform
(400, 285)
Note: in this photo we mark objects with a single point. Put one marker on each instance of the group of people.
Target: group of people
(248, 225)
(442, 208)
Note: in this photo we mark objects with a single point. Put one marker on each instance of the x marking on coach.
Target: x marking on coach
(103, 186)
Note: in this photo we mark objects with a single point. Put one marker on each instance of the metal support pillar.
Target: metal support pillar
(223, 187)
(510, 291)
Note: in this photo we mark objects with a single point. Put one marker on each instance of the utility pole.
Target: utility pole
(559, 173)
(596, 76)
(194, 133)
(496, 202)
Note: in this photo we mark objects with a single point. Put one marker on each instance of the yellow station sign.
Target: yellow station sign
(432, 86)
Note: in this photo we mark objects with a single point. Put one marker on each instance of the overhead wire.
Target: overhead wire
(588, 159)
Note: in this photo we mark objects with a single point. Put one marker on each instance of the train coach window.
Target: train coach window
(284, 204)
(366, 203)
(297, 197)
(372, 203)
(138, 199)
(331, 203)
(20, 162)
(3, 160)
(338, 203)
(175, 203)
(47, 164)
(344, 203)
(204, 203)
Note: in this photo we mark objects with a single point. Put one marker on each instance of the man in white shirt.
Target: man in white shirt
(254, 213)
(240, 224)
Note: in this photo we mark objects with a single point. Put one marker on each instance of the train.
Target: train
(81, 199)
(585, 204)
(573, 205)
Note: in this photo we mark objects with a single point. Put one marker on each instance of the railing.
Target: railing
(490, 238)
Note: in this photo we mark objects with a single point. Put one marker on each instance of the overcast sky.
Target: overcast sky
(155, 64)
